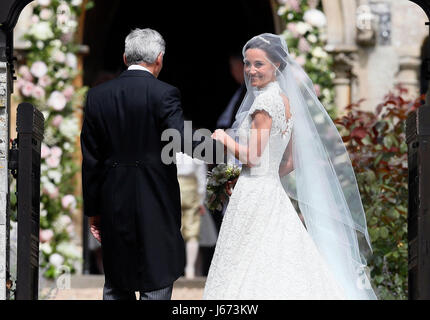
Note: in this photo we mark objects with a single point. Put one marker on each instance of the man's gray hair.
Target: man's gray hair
(143, 45)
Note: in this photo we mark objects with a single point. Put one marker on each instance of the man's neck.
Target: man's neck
(140, 67)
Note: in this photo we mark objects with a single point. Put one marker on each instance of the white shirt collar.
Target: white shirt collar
(138, 67)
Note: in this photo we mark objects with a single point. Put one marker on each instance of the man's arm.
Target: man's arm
(92, 167)
(171, 117)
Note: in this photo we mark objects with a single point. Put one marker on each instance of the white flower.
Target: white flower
(315, 18)
(282, 10)
(56, 260)
(43, 213)
(319, 52)
(55, 43)
(57, 101)
(69, 250)
(71, 60)
(304, 45)
(76, 3)
(62, 73)
(45, 248)
(41, 30)
(39, 69)
(55, 175)
(303, 27)
(46, 13)
(58, 56)
(44, 3)
(40, 45)
(312, 38)
(69, 128)
(62, 223)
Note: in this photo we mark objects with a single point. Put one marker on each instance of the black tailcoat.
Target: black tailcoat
(125, 181)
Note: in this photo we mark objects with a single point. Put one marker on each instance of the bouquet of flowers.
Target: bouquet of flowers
(218, 178)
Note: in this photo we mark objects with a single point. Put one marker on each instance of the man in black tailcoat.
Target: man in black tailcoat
(131, 192)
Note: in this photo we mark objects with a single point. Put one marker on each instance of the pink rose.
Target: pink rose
(57, 120)
(56, 152)
(44, 81)
(295, 5)
(54, 194)
(24, 71)
(304, 45)
(301, 60)
(293, 29)
(52, 161)
(68, 92)
(38, 93)
(46, 235)
(317, 89)
(45, 151)
(68, 201)
(27, 89)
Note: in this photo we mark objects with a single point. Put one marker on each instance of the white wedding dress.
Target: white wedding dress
(263, 249)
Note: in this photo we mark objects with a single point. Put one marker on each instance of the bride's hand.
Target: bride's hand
(219, 135)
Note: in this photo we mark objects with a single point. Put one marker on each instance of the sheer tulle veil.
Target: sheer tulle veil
(323, 181)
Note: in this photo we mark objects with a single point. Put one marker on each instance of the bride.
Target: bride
(289, 148)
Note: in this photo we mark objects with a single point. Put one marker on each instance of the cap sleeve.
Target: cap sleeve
(263, 102)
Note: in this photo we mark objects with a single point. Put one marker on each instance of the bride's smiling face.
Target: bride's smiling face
(258, 68)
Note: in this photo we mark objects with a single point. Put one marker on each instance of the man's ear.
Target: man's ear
(124, 58)
(160, 59)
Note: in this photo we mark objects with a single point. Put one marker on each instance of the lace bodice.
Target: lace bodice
(270, 100)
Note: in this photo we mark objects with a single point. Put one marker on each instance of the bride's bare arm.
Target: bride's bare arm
(260, 132)
(287, 164)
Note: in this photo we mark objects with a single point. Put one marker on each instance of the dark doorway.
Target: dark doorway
(199, 37)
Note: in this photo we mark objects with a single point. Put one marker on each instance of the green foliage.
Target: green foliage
(377, 147)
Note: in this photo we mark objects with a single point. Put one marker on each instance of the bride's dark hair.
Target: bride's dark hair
(272, 47)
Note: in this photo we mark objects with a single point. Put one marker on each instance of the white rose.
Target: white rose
(76, 3)
(56, 260)
(312, 38)
(45, 248)
(44, 3)
(71, 60)
(62, 223)
(69, 128)
(315, 18)
(46, 235)
(41, 30)
(58, 56)
(68, 201)
(303, 27)
(55, 175)
(57, 101)
(319, 52)
(39, 69)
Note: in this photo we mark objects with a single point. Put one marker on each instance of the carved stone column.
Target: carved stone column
(407, 76)
(344, 57)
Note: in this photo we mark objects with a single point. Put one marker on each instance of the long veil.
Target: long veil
(322, 181)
